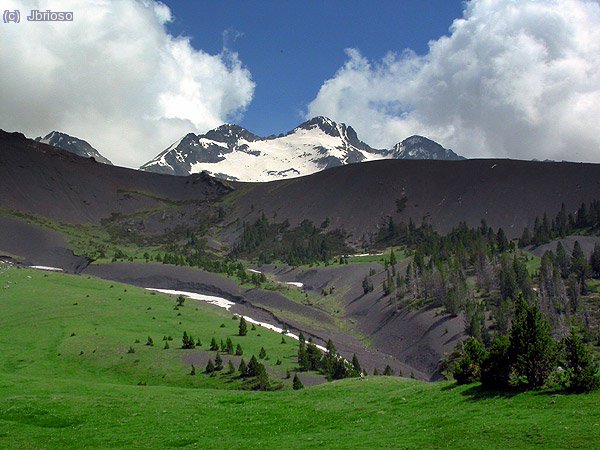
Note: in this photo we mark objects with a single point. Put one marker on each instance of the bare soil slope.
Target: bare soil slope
(357, 197)
(40, 179)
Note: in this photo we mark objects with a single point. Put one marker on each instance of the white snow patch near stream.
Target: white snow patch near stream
(51, 269)
(227, 304)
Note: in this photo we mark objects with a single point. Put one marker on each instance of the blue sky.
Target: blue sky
(292, 47)
(511, 78)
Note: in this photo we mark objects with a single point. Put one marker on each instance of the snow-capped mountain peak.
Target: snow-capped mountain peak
(73, 145)
(232, 152)
(419, 147)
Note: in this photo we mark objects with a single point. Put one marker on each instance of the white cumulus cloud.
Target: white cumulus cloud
(514, 78)
(115, 77)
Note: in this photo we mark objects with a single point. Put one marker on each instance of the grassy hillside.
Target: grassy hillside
(59, 390)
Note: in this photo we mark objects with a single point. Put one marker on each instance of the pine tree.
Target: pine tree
(243, 369)
(582, 371)
(262, 379)
(375, 371)
(150, 342)
(238, 350)
(393, 259)
(229, 346)
(525, 239)
(263, 353)
(595, 262)
(356, 364)
(562, 260)
(253, 367)
(296, 383)
(210, 367)
(302, 355)
(501, 241)
(193, 371)
(467, 368)
(497, 365)
(388, 371)
(187, 341)
(213, 345)
(230, 368)
(531, 345)
(198, 343)
(218, 362)
(243, 327)
(579, 266)
(166, 346)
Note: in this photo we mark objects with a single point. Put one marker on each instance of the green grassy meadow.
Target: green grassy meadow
(68, 381)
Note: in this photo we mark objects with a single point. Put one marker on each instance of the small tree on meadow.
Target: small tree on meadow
(296, 383)
(218, 362)
(467, 368)
(238, 350)
(230, 368)
(187, 342)
(531, 345)
(262, 354)
(582, 371)
(388, 371)
(243, 327)
(213, 345)
(150, 342)
(210, 367)
(243, 369)
(356, 364)
(229, 346)
(496, 367)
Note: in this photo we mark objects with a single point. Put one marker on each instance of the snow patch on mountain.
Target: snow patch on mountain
(232, 152)
(72, 145)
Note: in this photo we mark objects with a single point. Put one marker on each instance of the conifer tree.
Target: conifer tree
(582, 371)
(296, 383)
(243, 369)
(263, 353)
(243, 327)
(229, 346)
(230, 368)
(467, 368)
(187, 341)
(238, 350)
(166, 346)
(253, 367)
(218, 362)
(193, 371)
(595, 262)
(579, 266)
(150, 342)
(213, 345)
(210, 367)
(531, 345)
(356, 364)
(496, 367)
(562, 260)
(388, 371)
